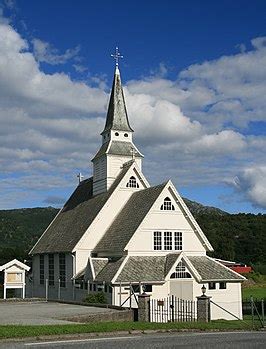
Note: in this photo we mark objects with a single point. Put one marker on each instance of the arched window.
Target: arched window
(181, 272)
(167, 205)
(132, 183)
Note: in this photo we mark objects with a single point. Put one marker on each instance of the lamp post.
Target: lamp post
(203, 290)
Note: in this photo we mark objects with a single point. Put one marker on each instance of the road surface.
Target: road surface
(213, 340)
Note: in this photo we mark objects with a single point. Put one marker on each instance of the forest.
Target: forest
(239, 237)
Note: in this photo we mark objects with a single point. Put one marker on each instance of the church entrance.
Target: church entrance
(182, 289)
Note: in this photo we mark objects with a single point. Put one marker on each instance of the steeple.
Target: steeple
(117, 145)
(117, 118)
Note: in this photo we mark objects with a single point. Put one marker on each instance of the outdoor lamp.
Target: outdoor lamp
(203, 289)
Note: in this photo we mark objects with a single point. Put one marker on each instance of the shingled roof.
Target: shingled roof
(117, 118)
(210, 270)
(128, 220)
(75, 218)
(117, 148)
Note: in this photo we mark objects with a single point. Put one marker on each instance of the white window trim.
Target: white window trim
(173, 240)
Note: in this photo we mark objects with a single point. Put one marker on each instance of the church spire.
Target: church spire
(117, 118)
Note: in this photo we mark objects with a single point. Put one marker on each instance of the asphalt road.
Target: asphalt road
(43, 313)
(235, 340)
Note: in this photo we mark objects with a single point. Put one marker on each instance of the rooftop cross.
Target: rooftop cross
(133, 153)
(80, 177)
(116, 56)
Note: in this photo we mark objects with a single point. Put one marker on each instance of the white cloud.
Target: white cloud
(50, 124)
(45, 52)
(252, 182)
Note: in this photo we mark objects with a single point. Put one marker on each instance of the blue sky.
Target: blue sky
(194, 77)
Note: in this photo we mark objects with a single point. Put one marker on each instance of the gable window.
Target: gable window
(212, 286)
(178, 241)
(171, 240)
(51, 269)
(157, 240)
(180, 272)
(132, 183)
(168, 240)
(167, 205)
(222, 285)
(62, 269)
(42, 269)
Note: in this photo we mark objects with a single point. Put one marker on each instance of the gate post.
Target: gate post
(144, 307)
(203, 307)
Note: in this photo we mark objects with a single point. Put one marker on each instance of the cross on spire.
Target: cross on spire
(80, 177)
(133, 153)
(116, 56)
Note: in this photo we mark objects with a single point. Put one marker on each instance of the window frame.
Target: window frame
(212, 285)
(222, 285)
(41, 269)
(167, 241)
(157, 241)
(51, 271)
(132, 182)
(62, 269)
(178, 240)
(167, 205)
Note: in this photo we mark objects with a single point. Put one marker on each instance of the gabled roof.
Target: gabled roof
(117, 148)
(65, 231)
(109, 270)
(117, 118)
(14, 262)
(211, 270)
(128, 220)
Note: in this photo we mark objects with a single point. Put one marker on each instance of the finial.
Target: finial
(80, 177)
(116, 56)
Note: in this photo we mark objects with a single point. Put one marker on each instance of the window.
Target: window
(167, 205)
(125, 135)
(212, 286)
(181, 272)
(132, 183)
(116, 134)
(178, 241)
(222, 285)
(147, 288)
(168, 240)
(51, 269)
(42, 269)
(62, 269)
(157, 240)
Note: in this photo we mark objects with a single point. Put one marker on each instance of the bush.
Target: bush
(98, 297)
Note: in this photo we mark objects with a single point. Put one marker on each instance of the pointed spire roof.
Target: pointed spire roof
(117, 118)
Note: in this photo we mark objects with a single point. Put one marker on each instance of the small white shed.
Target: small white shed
(14, 275)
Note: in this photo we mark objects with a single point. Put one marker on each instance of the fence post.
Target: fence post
(252, 311)
(203, 307)
(144, 307)
(262, 311)
(46, 290)
(59, 290)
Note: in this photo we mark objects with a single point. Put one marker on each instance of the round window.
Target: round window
(125, 135)
(116, 134)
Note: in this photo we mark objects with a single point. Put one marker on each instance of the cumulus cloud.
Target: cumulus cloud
(45, 52)
(192, 127)
(252, 182)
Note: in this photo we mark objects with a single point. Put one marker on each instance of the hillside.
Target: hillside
(240, 237)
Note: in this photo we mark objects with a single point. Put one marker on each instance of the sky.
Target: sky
(194, 78)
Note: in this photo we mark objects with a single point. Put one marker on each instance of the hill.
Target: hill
(240, 237)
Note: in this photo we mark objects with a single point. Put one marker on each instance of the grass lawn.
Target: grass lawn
(20, 331)
(258, 292)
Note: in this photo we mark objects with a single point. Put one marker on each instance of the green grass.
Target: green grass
(258, 292)
(20, 331)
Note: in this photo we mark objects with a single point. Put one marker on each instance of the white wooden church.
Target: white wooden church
(116, 230)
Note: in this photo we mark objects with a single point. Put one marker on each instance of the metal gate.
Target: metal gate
(172, 309)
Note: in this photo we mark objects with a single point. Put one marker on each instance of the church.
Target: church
(116, 233)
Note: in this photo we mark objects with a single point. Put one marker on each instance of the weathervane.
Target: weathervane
(116, 56)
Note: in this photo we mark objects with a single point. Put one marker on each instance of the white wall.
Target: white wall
(230, 299)
(157, 220)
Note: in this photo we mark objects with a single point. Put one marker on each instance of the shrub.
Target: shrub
(98, 297)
